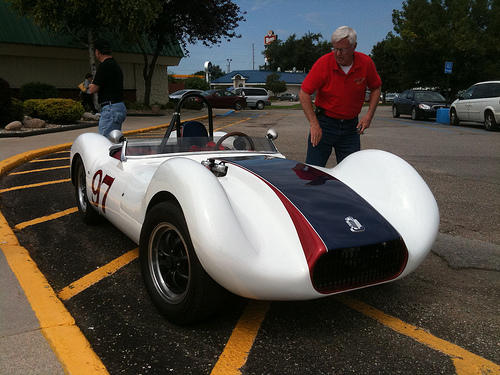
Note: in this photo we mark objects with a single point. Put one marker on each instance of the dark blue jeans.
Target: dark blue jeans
(342, 135)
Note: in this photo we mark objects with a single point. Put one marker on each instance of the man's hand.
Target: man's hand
(364, 123)
(316, 134)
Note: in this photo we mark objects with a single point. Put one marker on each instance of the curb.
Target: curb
(46, 131)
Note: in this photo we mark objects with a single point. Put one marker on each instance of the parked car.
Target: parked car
(256, 97)
(288, 96)
(176, 96)
(420, 104)
(214, 211)
(479, 103)
(225, 99)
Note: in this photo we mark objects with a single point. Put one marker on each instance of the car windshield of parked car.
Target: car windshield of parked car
(430, 96)
(140, 147)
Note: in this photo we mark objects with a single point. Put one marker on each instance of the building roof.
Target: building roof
(260, 76)
(17, 29)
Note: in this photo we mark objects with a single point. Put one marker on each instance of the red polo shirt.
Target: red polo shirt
(341, 95)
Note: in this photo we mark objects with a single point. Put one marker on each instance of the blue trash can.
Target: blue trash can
(443, 115)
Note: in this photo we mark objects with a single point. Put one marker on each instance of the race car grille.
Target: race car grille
(354, 267)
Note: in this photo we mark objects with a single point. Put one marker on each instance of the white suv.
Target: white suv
(256, 97)
(479, 103)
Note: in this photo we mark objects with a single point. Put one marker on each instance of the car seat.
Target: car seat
(194, 133)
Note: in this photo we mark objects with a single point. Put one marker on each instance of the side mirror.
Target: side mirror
(272, 134)
(116, 136)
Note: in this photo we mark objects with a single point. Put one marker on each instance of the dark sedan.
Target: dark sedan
(225, 99)
(419, 104)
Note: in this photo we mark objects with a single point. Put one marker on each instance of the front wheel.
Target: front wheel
(176, 281)
(453, 117)
(260, 105)
(87, 212)
(238, 106)
(395, 112)
(489, 121)
(414, 114)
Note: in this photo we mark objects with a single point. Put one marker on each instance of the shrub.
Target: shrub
(38, 90)
(16, 110)
(56, 111)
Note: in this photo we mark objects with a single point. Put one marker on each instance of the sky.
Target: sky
(372, 20)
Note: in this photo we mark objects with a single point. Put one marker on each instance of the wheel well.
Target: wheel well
(76, 158)
(162, 196)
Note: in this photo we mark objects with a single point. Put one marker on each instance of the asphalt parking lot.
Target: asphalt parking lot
(442, 319)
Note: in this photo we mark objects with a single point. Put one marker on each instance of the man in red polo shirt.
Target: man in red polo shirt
(339, 79)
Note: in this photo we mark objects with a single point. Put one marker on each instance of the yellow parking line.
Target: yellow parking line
(56, 323)
(35, 185)
(466, 363)
(235, 353)
(38, 170)
(53, 159)
(45, 218)
(102, 272)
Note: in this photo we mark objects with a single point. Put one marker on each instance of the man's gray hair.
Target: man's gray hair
(344, 32)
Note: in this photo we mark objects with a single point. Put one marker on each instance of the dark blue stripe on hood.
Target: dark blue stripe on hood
(324, 201)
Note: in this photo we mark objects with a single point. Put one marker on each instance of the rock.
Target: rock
(90, 116)
(14, 125)
(35, 123)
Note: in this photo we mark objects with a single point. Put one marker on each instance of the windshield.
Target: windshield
(237, 143)
(430, 96)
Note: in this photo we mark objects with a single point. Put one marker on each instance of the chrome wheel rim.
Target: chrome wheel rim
(169, 262)
(82, 188)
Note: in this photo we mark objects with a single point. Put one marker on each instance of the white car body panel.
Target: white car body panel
(241, 231)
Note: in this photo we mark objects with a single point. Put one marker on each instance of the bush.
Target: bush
(56, 111)
(38, 90)
(16, 110)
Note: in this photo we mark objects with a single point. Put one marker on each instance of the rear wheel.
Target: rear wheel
(238, 106)
(453, 117)
(260, 105)
(177, 283)
(395, 112)
(489, 121)
(87, 212)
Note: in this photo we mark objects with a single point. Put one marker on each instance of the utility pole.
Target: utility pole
(253, 58)
(229, 65)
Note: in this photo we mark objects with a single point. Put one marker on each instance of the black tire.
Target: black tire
(454, 120)
(259, 105)
(414, 114)
(87, 212)
(489, 121)
(177, 283)
(395, 112)
(238, 106)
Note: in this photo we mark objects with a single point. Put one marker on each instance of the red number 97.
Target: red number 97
(96, 188)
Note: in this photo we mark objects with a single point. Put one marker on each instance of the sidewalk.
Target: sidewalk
(23, 348)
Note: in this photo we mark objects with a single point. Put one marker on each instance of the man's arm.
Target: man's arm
(93, 88)
(306, 102)
(372, 106)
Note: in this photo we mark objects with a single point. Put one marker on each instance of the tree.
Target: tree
(196, 83)
(429, 32)
(274, 84)
(215, 72)
(207, 21)
(299, 54)
(145, 23)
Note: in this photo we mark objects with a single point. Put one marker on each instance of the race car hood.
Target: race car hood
(327, 214)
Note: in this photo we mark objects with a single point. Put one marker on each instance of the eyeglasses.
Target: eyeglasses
(341, 50)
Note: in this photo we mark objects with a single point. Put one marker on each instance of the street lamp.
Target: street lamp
(229, 65)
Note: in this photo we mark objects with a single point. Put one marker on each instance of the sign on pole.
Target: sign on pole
(448, 67)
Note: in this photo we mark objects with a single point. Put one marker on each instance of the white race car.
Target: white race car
(213, 212)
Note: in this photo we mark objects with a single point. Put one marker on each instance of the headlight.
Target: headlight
(424, 106)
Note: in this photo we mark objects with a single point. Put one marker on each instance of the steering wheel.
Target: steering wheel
(235, 134)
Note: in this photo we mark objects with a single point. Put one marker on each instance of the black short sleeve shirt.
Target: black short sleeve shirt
(109, 78)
